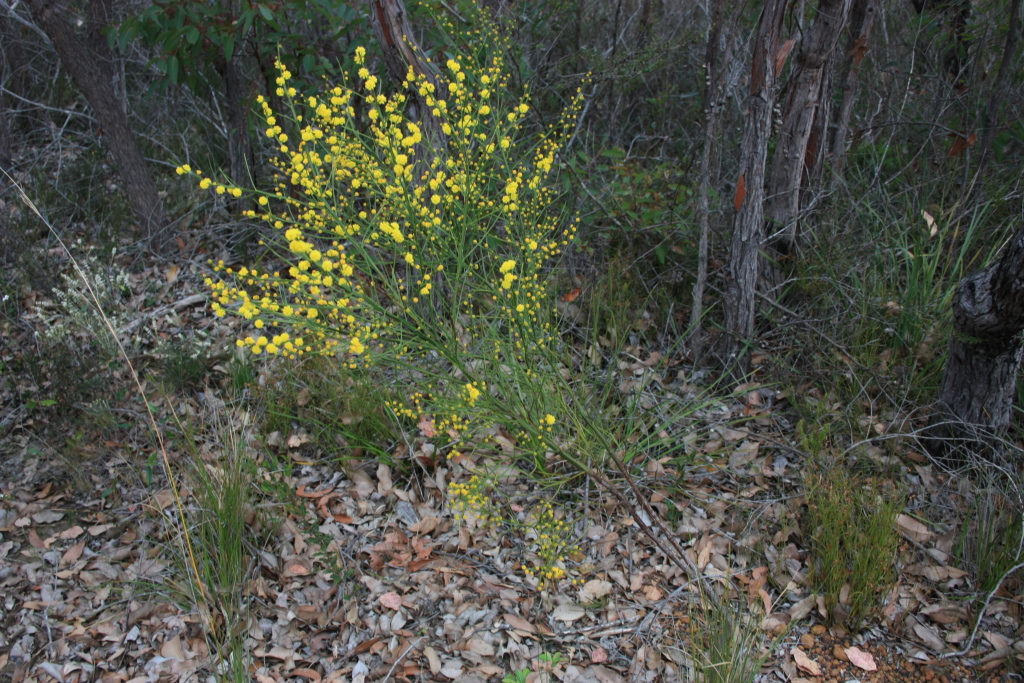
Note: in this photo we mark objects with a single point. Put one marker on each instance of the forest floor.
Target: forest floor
(362, 572)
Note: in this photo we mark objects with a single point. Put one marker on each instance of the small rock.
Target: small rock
(839, 653)
(818, 629)
(807, 640)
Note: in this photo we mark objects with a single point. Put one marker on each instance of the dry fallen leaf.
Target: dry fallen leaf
(480, 647)
(801, 609)
(913, 529)
(805, 663)
(426, 426)
(47, 517)
(433, 661)
(568, 613)
(520, 624)
(595, 589)
(861, 659)
(928, 637)
(452, 669)
(73, 553)
(391, 600)
(426, 525)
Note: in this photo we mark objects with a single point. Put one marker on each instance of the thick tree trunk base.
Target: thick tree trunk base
(973, 408)
(977, 394)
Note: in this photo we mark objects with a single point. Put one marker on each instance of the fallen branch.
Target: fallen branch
(163, 310)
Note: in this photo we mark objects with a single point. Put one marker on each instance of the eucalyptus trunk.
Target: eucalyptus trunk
(390, 21)
(240, 154)
(862, 17)
(95, 82)
(978, 384)
(714, 98)
(748, 199)
(803, 100)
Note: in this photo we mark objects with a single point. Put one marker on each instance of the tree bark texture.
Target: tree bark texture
(995, 98)
(979, 381)
(6, 71)
(862, 16)
(240, 154)
(714, 98)
(956, 14)
(817, 141)
(14, 76)
(394, 32)
(802, 102)
(86, 72)
(748, 221)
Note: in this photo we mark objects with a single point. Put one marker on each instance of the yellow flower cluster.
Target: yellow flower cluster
(417, 409)
(407, 243)
(472, 498)
(553, 544)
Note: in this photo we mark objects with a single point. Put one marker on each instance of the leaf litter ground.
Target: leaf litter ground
(367, 576)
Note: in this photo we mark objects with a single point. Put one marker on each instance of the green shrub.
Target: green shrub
(184, 361)
(851, 525)
(990, 539)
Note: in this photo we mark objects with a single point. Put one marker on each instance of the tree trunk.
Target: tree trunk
(240, 154)
(644, 30)
(980, 378)
(714, 97)
(5, 149)
(748, 221)
(87, 74)
(101, 15)
(789, 164)
(956, 14)
(862, 16)
(15, 72)
(394, 32)
(817, 141)
(995, 98)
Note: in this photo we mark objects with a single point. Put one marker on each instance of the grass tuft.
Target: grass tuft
(990, 542)
(851, 522)
(727, 642)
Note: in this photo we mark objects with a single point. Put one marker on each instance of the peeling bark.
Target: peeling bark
(391, 25)
(802, 103)
(748, 221)
(862, 17)
(979, 381)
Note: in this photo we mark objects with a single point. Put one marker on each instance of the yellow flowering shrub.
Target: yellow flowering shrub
(553, 543)
(548, 535)
(419, 248)
(412, 252)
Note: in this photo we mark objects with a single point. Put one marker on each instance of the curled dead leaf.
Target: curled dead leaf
(311, 674)
(913, 529)
(861, 659)
(805, 663)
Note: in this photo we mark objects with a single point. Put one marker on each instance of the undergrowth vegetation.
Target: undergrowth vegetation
(475, 280)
